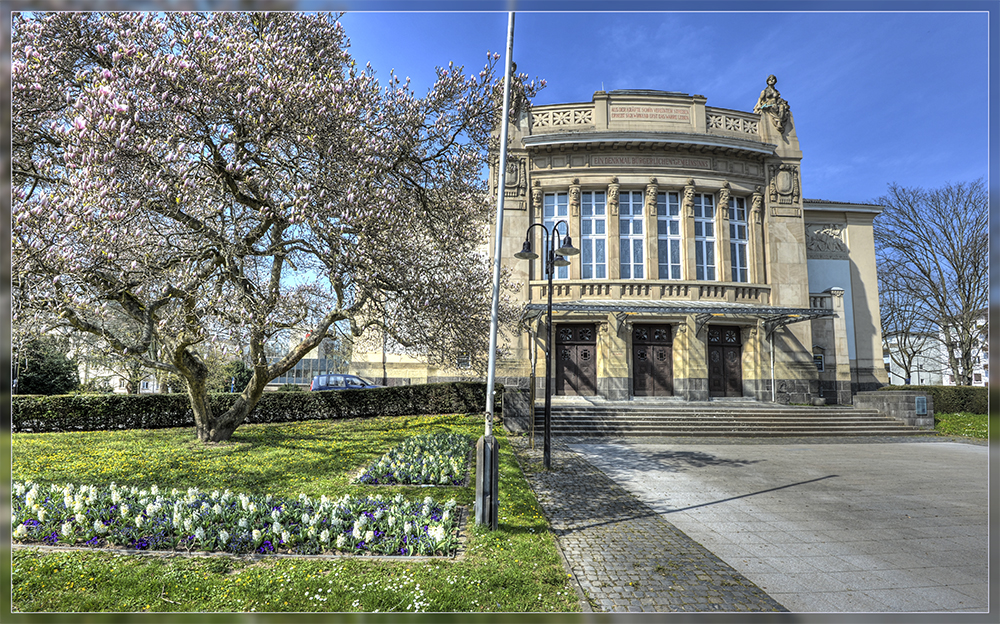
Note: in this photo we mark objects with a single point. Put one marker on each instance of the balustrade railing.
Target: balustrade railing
(562, 116)
(732, 123)
(731, 292)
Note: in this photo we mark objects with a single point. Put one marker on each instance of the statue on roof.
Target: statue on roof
(771, 102)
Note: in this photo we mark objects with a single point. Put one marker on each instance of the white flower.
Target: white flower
(199, 534)
(99, 527)
(21, 531)
(242, 523)
(356, 532)
(215, 494)
(370, 536)
(276, 528)
(138, 521)
(154, 490)
(67, 528)
(436, 533)
(408, 528)
(223, 537)
(217, 508)
(187, 524)
(305, 518)
(445, 516)
(324, 536)
(428, 501)
(341, 541)
(285, 537)
(392, 521)
(41, 514)
(124, 510)
(255, 535)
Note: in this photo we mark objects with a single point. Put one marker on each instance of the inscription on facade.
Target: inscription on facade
(634, 112)
(650, 161)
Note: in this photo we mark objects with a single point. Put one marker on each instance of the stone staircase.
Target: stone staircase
(577, 416)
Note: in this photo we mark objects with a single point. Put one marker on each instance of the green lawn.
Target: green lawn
(963, 424)
(515, 568)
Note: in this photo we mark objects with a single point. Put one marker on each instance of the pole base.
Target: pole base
(487, 481)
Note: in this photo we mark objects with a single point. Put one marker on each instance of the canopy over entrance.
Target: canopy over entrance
(704, 311)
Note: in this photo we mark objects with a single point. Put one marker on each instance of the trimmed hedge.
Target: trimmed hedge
(104, 412)
(953, 399)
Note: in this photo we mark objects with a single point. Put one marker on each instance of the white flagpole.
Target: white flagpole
(487, 449)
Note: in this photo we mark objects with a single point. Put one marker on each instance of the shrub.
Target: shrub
(95, 412)
(953, 399)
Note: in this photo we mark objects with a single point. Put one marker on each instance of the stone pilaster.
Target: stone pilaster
(574, 227)
(841, 355)
(687, 224)
(723, 259)
(614, 245)
(652, 240)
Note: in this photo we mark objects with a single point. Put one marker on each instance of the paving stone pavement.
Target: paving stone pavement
(625, 557)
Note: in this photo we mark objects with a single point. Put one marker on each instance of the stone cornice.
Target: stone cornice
(614, 140)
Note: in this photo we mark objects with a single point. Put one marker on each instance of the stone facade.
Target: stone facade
(704, 272)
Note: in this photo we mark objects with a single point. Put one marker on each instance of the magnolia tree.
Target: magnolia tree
(182, 179)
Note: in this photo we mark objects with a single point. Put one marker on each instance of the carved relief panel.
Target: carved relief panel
(826, 240)
(784, 190)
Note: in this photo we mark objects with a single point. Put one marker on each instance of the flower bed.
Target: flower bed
(84, 515)
(431, 459)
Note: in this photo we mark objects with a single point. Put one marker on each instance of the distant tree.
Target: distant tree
(179, 179)
(42, 367)
(234, 375)
(932, 249)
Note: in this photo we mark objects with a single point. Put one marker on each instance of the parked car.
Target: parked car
(341, 382)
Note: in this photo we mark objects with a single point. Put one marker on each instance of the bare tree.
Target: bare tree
(933, 253)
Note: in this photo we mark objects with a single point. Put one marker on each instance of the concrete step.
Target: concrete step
(709, 419)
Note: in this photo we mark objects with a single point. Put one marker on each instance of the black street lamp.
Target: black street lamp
(553, 257)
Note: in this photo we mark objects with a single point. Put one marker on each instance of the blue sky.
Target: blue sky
(877, 97)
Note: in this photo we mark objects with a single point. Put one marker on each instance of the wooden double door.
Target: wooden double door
(652, 360)
(576, 359)
(725, 362)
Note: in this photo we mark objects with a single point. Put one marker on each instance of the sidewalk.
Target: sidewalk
(624, 556)
(804, 525)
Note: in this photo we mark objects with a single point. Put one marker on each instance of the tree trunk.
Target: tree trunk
(220, 428)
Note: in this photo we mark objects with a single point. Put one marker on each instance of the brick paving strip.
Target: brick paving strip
(624, 556)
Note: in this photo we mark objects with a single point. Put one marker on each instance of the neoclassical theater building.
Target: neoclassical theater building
(703, 272)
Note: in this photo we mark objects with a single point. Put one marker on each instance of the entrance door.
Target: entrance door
(652, 360)
(725, 368)
(576, 359)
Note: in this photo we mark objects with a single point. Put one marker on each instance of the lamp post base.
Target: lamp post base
(487, 480)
